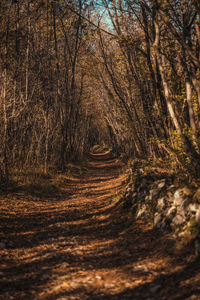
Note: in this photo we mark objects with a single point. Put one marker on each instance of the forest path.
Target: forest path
(77, 245)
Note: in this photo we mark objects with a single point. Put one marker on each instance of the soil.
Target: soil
(78, 244)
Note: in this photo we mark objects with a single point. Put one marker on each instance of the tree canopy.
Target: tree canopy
(124, 73)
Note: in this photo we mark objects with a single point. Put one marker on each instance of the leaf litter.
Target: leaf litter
(77, 245)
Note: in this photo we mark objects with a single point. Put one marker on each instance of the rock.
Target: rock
(161, 184)
(178, 220)
(153, 193)
(163, 225)
(160, 221)
(179, 194)
(171, 212)
(171, 188)
(141, 212)
(198, 217)
(179, 201)
(162, 203)
(157, 219)
(180, 197)
(181, 210)
(193, 207)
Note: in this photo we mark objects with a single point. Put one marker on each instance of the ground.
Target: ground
(78, 244)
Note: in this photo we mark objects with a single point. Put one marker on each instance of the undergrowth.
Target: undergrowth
(33, 181)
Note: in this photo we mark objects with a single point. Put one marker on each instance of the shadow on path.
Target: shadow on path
(78, 245)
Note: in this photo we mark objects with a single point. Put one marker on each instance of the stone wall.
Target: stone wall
(169, 207)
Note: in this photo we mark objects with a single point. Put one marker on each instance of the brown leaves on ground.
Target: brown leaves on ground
(77, 245)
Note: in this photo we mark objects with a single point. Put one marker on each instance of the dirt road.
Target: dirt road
(80, 245)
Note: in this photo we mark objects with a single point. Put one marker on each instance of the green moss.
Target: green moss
(196, 197)
(192, 226)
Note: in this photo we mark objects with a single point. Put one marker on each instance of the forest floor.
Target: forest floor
(78, 244)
